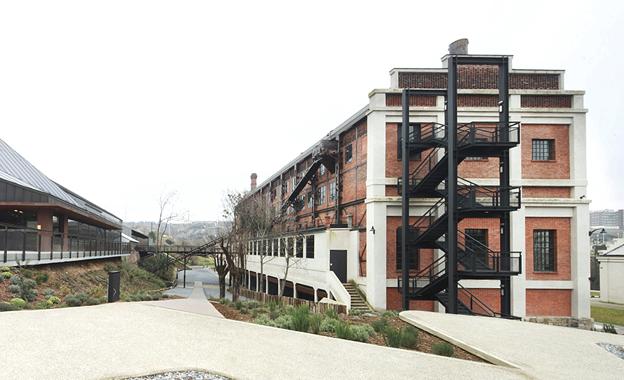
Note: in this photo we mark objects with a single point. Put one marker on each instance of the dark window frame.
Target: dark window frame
(543, 150)
(413, 260)
(309, 241)
(348, 153)
(545, 251)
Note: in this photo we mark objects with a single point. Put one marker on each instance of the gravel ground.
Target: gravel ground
(615, 349)
(180, 375)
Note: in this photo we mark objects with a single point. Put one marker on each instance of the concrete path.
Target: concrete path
(540, 351)
(608, 305)
(122, 339)
(196, 303)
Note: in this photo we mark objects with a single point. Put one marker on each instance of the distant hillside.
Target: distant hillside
(190, 233)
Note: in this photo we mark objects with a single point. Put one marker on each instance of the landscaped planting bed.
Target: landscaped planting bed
(383, 329)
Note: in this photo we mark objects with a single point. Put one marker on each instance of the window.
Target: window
(310, 199)
(322, 170)
(282, 247)
(544, 250)
(294, 182)
(332, 191)
(320, 195)
(477, 242)
(275, 247)
(414, 253)
(299, 247)
(414, 135)
(543, 150)
(348, 153)
(310, 247)
(269, 248)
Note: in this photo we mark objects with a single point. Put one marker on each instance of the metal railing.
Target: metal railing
(422, 133)
(487, 134)
(474, 196)
(23, 244)
(478, 307)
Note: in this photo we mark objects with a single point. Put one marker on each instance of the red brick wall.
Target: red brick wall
(546, 192)
(487, 168)
(491, 224)
(393, 301)
(479, 77)
(562, 250)
(393, 164)
(490, 297)
(559, 168)
(396, 100)
(546, 101)
(392, 223)
(549, 302)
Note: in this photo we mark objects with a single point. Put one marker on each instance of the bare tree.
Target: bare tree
(222, 269)
(165, 216)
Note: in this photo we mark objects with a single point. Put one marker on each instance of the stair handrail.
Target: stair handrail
(474, 300)
(469, 133)
(431, 131)
(429, 215)
(426, 164)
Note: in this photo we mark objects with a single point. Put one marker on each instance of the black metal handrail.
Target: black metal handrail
(493, 261)
(483, 133)
(426, 132)
(479, 307)
(24, 242)
(425, 166)
(472, 195)
(430, 216)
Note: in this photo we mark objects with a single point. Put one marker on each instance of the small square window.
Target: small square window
(543, 150)
(349, 153)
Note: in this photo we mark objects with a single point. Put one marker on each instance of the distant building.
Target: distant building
(607, 218)
(43, 222)
(612, 274)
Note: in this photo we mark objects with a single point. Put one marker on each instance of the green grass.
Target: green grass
(595, 293)
(606, 315)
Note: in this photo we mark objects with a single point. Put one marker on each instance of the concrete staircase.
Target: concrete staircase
(357, 302)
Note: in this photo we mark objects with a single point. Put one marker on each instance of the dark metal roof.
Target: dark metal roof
(16, 169)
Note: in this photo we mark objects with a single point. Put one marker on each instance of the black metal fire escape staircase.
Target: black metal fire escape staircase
(428, 180)
(326, 154)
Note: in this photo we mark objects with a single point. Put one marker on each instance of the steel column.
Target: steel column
(505, 237)
(405, 200)
(451, 186)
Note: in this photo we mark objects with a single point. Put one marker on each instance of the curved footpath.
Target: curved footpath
(540, 351)
(129, 339)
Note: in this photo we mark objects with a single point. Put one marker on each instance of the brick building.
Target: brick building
(345, 209)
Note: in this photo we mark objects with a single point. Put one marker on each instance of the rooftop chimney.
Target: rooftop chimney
(254, 176)
(459, 47)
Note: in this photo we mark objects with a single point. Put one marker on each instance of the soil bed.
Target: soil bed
(426, 341)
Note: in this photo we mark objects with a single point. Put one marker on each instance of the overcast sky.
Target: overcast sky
(121, 101)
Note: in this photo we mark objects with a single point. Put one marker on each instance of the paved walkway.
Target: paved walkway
(540, 351)
(122, 339)
(196, 303)
(608, 305)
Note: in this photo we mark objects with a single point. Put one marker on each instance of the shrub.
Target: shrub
(43, 305)
(5, 269)
(159, 265)
(392, 336)
(18, 302)
(6, 275)
(379, 325)
(15, 289)
(72, 300)
(442, 349)
(93, 301)
(390, 314)
(5, 306)
(301, 318)
(609, 328)
(244, 310)
(48, 292)
(275, 310)
(284, 321)
(264, 320)
(54, 299)
(315, 323)
(16, 279)
(355, 313)
(225, 301)
(331, 313)
(329, 324)
(41, 278)
(238, 305)
(343, 331)
(252, 304)
(409, 337)
(360, 333)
